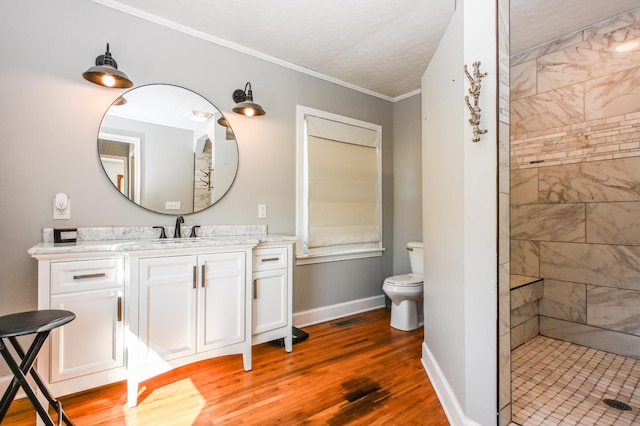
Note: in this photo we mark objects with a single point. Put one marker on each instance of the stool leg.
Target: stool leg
(21, 380)
(57, 405)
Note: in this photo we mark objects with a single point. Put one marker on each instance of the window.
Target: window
(339, 214)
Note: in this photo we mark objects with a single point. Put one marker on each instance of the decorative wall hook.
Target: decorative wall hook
(205, 177)
(474, 91)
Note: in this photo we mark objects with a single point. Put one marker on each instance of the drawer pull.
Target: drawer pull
(204, 275)
(86, 276)
(270, 259)
(255, 289)
(119, 308)
(195, 277)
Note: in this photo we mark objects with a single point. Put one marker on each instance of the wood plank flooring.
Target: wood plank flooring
(362, 373)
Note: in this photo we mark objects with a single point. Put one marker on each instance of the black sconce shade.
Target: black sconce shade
(245, 104)
(106, 73)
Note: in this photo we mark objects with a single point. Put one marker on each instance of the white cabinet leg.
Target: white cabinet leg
(132, 393)
(288, 343)
(246, 359)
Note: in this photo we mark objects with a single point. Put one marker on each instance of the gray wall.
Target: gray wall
(49, 119)
(407, 180)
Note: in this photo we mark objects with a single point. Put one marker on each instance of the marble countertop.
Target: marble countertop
(155, 244)
(122, 240)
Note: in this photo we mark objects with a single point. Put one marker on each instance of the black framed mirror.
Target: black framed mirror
(167, 149)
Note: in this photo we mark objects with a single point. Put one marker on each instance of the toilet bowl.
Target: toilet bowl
(405, 292)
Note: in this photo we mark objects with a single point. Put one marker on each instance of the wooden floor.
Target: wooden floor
(360, 373)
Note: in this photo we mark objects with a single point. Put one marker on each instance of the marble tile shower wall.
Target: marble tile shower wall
(575, 183)
(578, 227)
(576, 99)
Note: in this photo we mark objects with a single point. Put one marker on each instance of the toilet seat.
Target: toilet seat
(406, 280)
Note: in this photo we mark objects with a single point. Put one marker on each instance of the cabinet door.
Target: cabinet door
(168, 291)
(269, 300)
(221, 321)
(94, 341)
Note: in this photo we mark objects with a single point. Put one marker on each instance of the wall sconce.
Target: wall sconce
(106, 73)
(244, 102)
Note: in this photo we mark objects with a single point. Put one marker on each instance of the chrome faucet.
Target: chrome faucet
(179, 221)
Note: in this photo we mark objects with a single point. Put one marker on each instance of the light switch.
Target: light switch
(172, 205)
(262, 211)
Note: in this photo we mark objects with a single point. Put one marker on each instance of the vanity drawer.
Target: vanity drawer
(82, 275)
(267, 259)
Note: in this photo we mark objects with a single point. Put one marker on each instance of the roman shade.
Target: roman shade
(343, 182)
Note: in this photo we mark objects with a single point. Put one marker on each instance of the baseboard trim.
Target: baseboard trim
(450, 405)
(328, 313)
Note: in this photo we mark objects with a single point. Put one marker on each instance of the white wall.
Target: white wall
(460, 220)
(49, 119)
(443, 206)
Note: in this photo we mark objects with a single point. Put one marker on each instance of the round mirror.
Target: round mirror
(167, 149)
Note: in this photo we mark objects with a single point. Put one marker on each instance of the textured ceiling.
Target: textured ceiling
(379, 46)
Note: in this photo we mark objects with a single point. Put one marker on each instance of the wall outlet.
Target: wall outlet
(172, 205)
(262, 211)
(64, 213)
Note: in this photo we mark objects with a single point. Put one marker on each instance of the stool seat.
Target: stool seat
(33, 322)
(39, 323)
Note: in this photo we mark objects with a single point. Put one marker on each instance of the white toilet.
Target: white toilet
(405, 292)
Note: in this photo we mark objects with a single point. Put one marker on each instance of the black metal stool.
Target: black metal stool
(33, 322)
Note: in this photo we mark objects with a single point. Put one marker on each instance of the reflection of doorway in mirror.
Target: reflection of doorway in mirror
(127, 150)
(115, 167)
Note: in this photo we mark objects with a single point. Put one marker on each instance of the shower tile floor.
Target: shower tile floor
(560, 383)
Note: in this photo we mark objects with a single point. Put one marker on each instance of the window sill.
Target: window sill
(305, 259)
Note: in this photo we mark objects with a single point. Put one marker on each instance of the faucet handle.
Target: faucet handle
(162, 233)
(193, 231)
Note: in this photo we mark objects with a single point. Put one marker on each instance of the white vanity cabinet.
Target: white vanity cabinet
(272, 290)
(191, 304)
(144, 307)
(89, 351)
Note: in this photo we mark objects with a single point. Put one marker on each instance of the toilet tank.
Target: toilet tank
(415, 257)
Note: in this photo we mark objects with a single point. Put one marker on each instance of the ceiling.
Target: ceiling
(380, 47)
